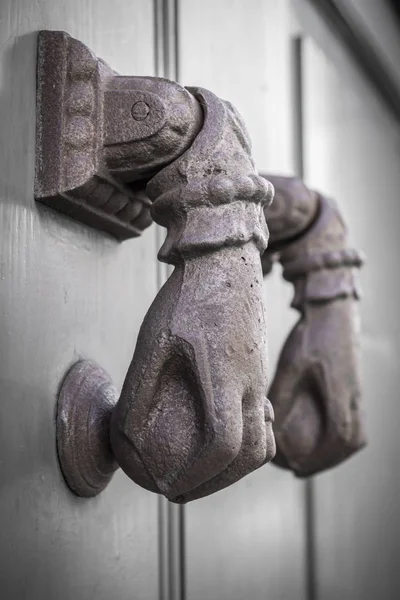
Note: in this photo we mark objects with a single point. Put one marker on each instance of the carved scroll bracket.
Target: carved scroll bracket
(100, 135)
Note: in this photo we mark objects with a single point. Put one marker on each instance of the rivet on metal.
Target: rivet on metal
(140, 110)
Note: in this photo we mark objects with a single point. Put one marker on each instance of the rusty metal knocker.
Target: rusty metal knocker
(316, 390)
(192, 416)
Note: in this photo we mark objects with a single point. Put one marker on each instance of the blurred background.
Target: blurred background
(318, 85)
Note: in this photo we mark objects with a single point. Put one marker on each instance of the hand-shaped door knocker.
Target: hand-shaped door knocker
(316, 389)
(192, 418)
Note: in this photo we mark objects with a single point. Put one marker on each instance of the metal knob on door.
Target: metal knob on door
(193, 416)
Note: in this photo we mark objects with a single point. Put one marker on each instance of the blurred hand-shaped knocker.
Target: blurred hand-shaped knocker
(316, 389)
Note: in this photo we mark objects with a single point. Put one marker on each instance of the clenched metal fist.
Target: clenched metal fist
(316, 389)
(193, 416)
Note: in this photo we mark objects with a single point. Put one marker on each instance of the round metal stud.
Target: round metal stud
(85, 403)
(140, 110)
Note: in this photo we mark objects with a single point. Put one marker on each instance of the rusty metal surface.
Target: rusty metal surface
(193, 416)
(292, 211)
(316, 391)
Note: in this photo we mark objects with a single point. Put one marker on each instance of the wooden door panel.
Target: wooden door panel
(352, 152)
(66, 292)
(248, 541)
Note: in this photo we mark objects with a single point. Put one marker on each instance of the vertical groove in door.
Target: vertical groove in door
(163, 575)
(163, 564)
(171, 516)
(297, 71)
(176, 558)
(182, 547)
(176, 512)
(298, 133)
(177, 48)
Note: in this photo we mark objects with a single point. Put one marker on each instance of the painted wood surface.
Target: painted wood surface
(352, 152)
(65, 292)
(68, 292)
